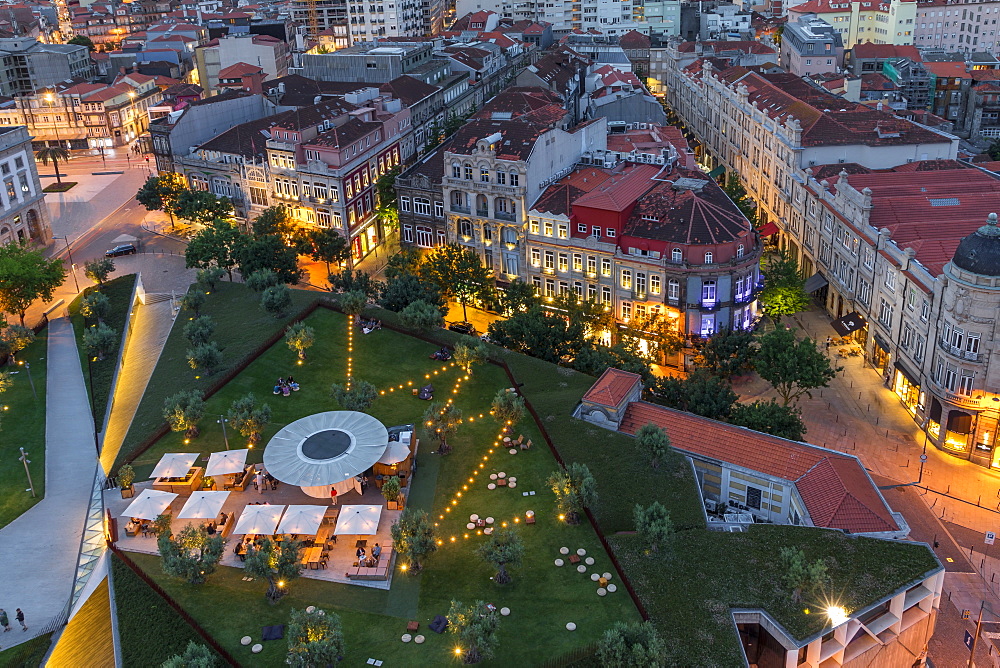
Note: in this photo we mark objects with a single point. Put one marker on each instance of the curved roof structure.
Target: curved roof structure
(325, 448)
(980, 251)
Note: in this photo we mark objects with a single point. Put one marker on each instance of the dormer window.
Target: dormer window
(709, 257)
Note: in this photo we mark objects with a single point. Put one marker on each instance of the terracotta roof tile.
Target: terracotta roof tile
(835, 488)
(612, 388)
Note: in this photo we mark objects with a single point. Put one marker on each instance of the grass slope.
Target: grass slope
(241, 327)
(118, 291)
(543, 598)
(26, 655)
(150, 630)
(23, 425)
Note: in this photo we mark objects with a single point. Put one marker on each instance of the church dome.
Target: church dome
(980, 251)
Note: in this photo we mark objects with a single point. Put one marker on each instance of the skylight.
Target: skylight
(944, 201)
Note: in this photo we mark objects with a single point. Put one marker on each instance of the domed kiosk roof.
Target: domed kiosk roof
(980, 251)
(325, 448)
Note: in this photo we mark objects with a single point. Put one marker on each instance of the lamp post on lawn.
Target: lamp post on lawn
(27, 367)
(24, 459)
(222, 420)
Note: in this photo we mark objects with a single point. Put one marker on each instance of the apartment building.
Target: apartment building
(861, 201)
(79, 115)
(376, 63)
(27, 65)
(810, 45)
(889, 22)
(649, 240)
(609, 17)
(24, 215)
(322, 162)
(352, 22)
(725, 20)
(269, 53)
(966, 27)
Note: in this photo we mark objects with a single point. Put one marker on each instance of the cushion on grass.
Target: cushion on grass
(276, 632)
(439, 624)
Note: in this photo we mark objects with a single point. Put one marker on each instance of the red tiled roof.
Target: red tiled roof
(620, 191)
(239, 70)
(835, 488)
(839, 495)
(868, 50)
(948, 70)
(745, 46)
(634, 39)
(612, 387)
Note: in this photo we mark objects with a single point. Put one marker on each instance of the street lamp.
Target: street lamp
(51, 99)
(27, 367)
(222, 420)
(24, 460)
(72, 265)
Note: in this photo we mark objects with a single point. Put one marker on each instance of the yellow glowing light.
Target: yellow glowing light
(454, 503)
(458, 494)
(453, 539)
(503, 524)
(458, 651)
(403, 567)
(517, 520)
(440, 542)
(281, 583)
(562, 517)
(482, 466)
(471, 480)
(837, 614)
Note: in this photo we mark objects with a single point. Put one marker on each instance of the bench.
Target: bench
(242, 484)
(378, 572)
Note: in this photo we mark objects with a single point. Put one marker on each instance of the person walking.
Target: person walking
(260, 483)
(333, 497)
(829, 340)
(20, 618)
(4, 620)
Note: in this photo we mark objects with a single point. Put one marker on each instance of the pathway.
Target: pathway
(39, 549)
(151, 326)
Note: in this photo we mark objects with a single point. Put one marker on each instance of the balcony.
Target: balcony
(504, 215)
(457, 208)
(958, 353)
(484, 213)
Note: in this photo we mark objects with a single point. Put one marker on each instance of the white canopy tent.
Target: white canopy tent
(203, 505)
(149, 505)
(302, 520)
(227, 461)
(259, 520)
(394, 453)
(358, 520)
(325, 448)
(174, 465)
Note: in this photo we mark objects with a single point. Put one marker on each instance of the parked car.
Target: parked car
(124, 249)
(463, 328)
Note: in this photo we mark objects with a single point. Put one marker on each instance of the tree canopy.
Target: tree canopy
(575, 489)
(249, 417)
(459, 274)
(476, 626)
(26, 275)
(160, 193)
(784, 287)
(219, 245)
(654, 441)
(627, 645)
(314, 639)
(269, 252)
(278, 563)
(442, 421)
(192, 554)
(503, 549)
(728, 353)
(700, 393)
(792, 366)
(202, 206)
(538, 334)
(413, 537)
(770, 417)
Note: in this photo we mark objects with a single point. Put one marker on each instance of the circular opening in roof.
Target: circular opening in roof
(326, 444)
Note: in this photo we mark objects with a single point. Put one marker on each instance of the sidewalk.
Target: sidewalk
(96, 195)
(858, 415)
(39, 549)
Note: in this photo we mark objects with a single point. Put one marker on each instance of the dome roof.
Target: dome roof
(980, 251)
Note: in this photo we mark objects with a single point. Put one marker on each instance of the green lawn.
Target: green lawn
(22, 424)
(26, 655)
(150, 631)
(241, 328)
(118, 291)
(543, 598)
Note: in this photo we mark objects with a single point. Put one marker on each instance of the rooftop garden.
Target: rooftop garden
(542, 597)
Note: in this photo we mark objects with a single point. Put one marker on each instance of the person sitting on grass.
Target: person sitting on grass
(292, 384)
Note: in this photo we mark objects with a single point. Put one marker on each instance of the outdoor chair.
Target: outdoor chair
(526, 445)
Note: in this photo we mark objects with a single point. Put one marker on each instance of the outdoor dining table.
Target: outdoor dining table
(311, 555)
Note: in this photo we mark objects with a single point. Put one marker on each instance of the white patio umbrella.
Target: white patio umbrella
(358, 520)
(203, 505)
(259, 519)
(302, 520)
(227, 461)
(325, 448)
(174, 465)
(395, 452)
(149, 505)
(343, 487)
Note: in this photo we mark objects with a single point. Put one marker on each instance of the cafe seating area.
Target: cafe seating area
(327, 557)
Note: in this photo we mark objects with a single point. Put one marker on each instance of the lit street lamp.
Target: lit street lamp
(24, 460)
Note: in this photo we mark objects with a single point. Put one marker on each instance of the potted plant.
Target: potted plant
(126, 476)
(390, 490)
(208, 482)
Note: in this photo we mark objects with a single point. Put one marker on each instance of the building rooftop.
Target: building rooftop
(869, 50)
(409, 90)
(835, 488)
(612, 388)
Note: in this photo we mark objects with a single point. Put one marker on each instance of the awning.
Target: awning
(815, 282)
(849, 323)
(768, 228)
(910, 376)
(880, 343)
(717, 172)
